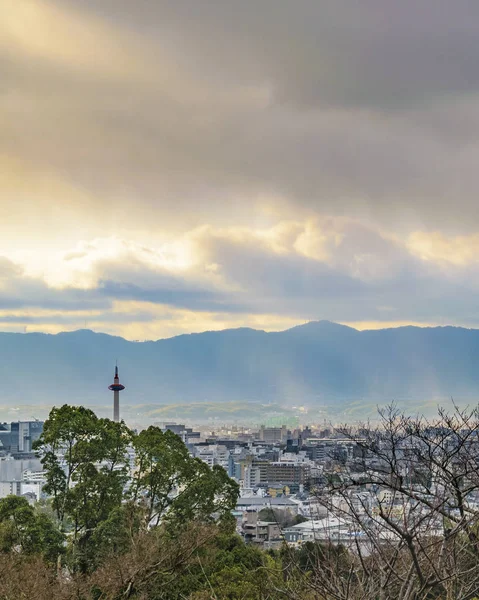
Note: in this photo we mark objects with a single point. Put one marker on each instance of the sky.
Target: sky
(171, 166)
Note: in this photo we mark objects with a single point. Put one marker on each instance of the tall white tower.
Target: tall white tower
(116, 388)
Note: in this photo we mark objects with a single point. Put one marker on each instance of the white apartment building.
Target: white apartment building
(214, 454)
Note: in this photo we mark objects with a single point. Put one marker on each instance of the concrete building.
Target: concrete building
(287, 473)
(214, 454)
(185, 433)
(259, 502)
(311, 508)
(21, 475)
(332, 529)
(10, 488)
(18, 436)
(258, 473)
(273, 434)
(32, 490)
(260, 532)
(12, 469)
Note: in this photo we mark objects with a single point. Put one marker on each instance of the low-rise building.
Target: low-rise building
(330, 529)
(260, 532)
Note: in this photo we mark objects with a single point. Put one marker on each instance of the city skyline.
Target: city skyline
(169, 169)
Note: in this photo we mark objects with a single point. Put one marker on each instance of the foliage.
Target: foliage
(175, 486)
(25, 530)
(164, 530)
(101, 505)
(202, 562)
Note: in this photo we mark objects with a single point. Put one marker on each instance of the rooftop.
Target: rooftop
(265, 500)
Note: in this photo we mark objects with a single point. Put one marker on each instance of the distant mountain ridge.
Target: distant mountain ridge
(319, 362)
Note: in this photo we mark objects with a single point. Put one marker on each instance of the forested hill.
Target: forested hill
(317, 362)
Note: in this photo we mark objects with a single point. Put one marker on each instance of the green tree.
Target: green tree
(174, 486)
(101, 506)
(115, 535)
(65, 445)
(86, 462)
(22, 528)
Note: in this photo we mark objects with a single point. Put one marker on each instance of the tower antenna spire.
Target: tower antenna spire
(116, 387)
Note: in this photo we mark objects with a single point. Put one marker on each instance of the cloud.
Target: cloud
(435, 246)
(337, 269)
(246, 160)
(185, 114)
(18, 290)
(319, 52)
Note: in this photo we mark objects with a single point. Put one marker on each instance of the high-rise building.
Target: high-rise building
(273, 434)
(18, 436)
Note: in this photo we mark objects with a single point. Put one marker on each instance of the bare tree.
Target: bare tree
(410, 506)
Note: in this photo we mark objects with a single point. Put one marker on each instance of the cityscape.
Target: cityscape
(275, 467)
(405, 489)
(281, 473)
(239, 300)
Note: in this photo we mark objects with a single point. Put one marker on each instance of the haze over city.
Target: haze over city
(173, 167)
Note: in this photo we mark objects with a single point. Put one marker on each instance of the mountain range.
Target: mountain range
(319, 364)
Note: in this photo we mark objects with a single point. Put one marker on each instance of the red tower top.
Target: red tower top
(116, 385)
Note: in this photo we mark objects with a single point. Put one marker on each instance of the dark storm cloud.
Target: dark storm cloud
(192, 112)
(376, 53)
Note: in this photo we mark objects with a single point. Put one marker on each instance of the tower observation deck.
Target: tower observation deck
(116, 387)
